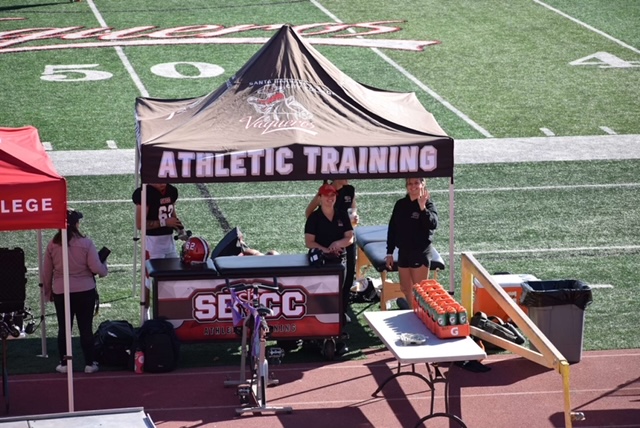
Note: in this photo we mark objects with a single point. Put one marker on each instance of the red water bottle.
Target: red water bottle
(139, 362)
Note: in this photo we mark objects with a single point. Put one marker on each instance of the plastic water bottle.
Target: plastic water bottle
(139, 362)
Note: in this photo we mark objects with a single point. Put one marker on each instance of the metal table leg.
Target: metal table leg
(435, 376)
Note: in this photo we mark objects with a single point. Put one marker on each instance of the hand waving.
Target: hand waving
(423, 198)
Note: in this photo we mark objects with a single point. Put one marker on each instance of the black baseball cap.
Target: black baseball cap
(73, 216)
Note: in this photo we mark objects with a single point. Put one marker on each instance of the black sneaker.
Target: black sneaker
(341, 349)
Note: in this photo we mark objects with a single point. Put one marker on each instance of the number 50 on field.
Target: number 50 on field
(89, 72)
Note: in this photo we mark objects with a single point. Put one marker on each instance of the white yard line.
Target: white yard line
(443, 191)
(412, 78)
(608, 130)
(557, 250)
(588, 27)
(125, 61)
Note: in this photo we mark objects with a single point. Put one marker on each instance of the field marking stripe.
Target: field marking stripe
(414, 79)
(599, 249)
(588, 27)
(390, 193)
(552, 250)
(608, 130)
(433, 94)
(527, 188)
(120, 52)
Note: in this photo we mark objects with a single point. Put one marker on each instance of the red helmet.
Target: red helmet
(195, 250)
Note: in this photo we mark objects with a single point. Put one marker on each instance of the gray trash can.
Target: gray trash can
(557, 308)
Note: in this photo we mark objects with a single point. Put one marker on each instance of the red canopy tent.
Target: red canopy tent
(34, 196)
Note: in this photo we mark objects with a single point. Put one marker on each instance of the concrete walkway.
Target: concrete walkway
(489, 150)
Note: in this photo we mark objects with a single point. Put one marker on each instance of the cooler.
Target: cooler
(510, 283)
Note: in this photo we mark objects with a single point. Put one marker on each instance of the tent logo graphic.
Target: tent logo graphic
(274, 105)
(279, 110)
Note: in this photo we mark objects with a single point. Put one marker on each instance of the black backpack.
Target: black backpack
(113, 343)
(158, 341)
(14, 280)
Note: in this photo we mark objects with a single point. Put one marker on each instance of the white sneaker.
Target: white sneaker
(61, 369)
(92, 368)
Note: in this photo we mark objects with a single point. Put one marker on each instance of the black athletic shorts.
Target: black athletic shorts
(414, 258)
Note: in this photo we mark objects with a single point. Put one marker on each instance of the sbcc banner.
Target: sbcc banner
(200, 310)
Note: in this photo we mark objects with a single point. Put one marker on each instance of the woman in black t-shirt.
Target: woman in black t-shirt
(331, 232)
(326, 228)
(345, 202)
(413, 222)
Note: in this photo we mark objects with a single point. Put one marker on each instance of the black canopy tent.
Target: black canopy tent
(290, 114)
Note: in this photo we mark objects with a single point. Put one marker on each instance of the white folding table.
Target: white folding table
(389, 325)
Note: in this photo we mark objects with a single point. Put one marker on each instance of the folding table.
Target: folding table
(389, 325)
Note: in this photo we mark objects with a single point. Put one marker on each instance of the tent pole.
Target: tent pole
(67, 318)
(452, 285)
(135, 265)
(136, 237)
(43, 320)
(143, 246)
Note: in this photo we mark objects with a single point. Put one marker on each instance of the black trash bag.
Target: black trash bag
(556, 292)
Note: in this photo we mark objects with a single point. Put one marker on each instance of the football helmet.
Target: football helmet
(195, 250)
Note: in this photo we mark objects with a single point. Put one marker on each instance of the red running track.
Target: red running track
(605, 385)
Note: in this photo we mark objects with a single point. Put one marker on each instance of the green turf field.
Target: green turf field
(503, 69)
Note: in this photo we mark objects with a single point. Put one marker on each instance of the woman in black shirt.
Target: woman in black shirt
(326, 228)
(413, 222)
(345, 202)
(330, 231)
